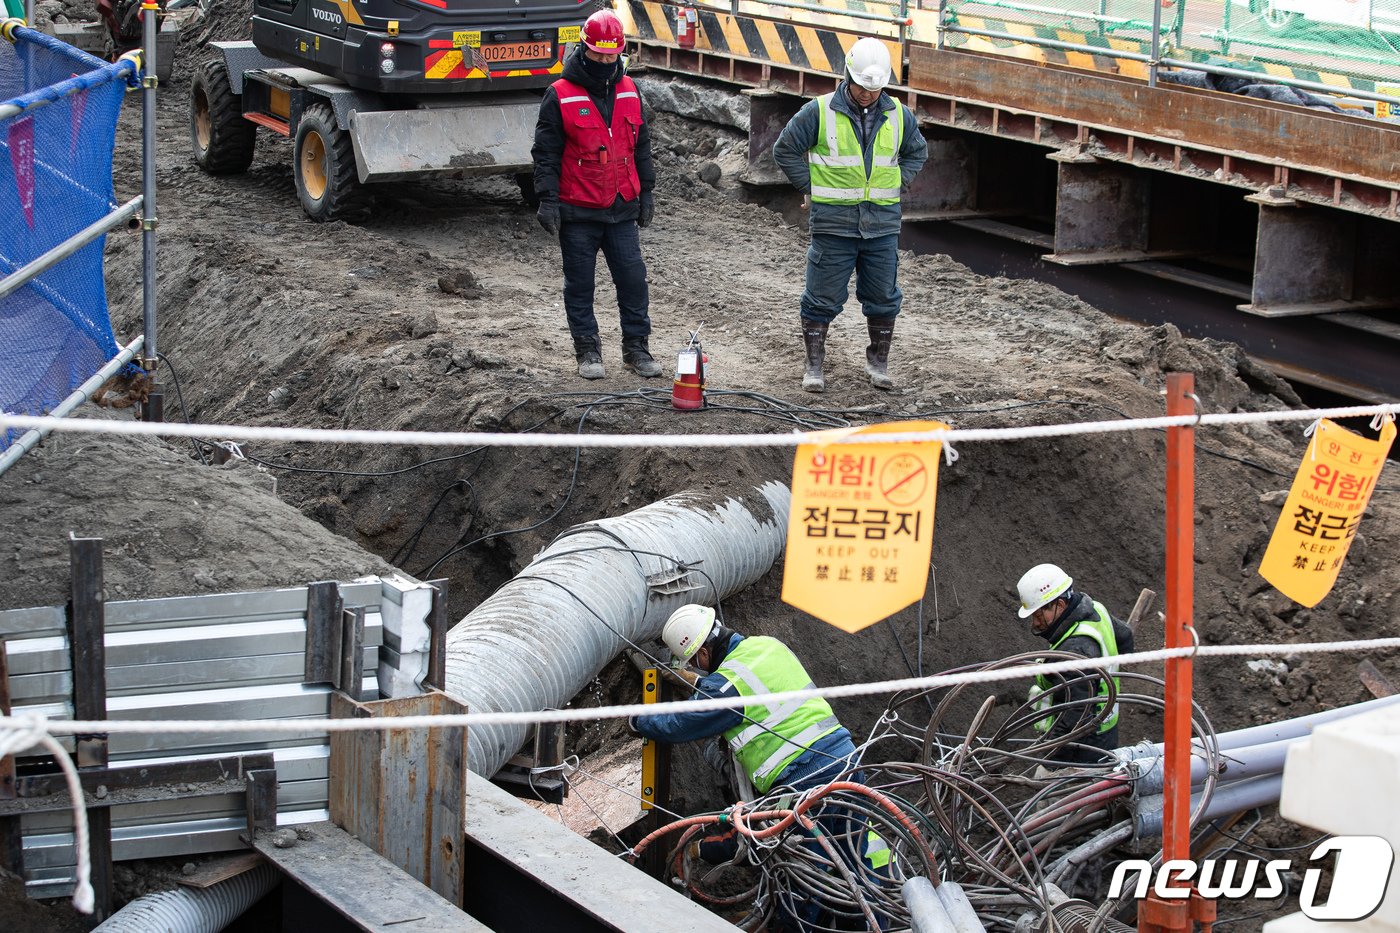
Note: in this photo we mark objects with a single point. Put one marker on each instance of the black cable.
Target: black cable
(411, 542)
(408, 469)
(1244, 841)
(180, 396)
(573, 482)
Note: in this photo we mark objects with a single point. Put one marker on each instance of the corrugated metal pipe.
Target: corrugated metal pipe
(194, 910)
(539, 639)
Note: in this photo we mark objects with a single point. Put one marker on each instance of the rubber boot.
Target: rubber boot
(637, 357)
(814, 336)
(589, 353)
(877, 355)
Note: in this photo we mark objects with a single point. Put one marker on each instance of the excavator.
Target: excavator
(382, 90)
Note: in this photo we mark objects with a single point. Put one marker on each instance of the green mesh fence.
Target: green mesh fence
(1349, 45)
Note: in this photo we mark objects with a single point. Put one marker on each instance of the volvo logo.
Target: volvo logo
(329, 16)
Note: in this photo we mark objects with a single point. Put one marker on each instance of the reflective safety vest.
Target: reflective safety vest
(598, 162)
(837, 162)
(1101, 631)
(768, 739)
(877, 851)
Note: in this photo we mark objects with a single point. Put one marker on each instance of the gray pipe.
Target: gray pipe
(1149, 777)
(538, 640)
(959, 909)
(1228, 798)
(926, 911)
(193, 910)
(1267, 733)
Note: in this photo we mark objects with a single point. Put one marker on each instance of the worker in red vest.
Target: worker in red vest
(594, 178)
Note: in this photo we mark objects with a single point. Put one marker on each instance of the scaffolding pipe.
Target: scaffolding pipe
(194, 910)
(598, 587)
(82, 393)
(926, 911)
(68, 247)
(153, 408)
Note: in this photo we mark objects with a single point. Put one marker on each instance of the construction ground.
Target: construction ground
(442, 312)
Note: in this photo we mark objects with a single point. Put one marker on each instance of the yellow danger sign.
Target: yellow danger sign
(1324, 507)
(860, 531)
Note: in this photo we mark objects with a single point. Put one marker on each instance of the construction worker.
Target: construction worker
(799, 745)
(852, 152)
(594, 178)
(1072, 621)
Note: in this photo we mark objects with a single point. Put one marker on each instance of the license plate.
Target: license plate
(515, 51)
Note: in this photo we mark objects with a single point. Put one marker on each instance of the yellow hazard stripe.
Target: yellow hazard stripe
(772, 41)
(443, 66)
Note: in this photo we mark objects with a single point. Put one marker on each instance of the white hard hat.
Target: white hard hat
(687, 629)
(1042, 584)
(868, 63)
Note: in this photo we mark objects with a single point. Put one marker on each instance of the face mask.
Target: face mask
(599, 70)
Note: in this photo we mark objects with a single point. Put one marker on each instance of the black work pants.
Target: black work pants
(579, 242)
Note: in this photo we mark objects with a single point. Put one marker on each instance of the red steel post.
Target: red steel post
(1181, 527)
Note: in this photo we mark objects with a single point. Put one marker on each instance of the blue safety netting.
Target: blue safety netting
(55, 180)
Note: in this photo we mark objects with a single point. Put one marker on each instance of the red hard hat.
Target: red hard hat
(602, 33)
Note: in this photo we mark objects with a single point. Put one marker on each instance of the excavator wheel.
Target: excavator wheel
(326, 181)
(222, 140)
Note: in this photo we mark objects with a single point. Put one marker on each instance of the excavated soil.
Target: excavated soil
(442, 311)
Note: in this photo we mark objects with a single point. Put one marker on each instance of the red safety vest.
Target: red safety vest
(598, 162)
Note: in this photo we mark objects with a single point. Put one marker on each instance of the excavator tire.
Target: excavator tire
(326, 181)
(222, 140)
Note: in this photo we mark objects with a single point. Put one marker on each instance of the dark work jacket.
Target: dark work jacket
(1080, 609)
(548, 150)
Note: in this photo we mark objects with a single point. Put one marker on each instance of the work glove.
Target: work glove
(647, 210)
(548, 216)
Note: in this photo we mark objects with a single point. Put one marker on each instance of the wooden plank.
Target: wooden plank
(365, 888)
(1368, 150)
(1009, 232)
(220, 868)
(1141, 608)
(404, 791)
(1114, 257)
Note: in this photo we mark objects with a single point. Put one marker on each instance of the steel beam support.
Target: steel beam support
(1101, 211)
(1302, 257)
(946, 187)
(438, 624)
(86, 634)
(261, 801)
(11, 833)
(352, 644)
(769, 112)
(1310, 260)
(324, 630)
(1236, 141)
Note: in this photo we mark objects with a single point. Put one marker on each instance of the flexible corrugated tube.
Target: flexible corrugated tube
(537, 641)
(194, 910)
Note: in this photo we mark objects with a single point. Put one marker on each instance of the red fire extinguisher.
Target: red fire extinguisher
(686, 26)
(688, 389)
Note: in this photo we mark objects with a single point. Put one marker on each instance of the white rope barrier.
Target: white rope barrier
(24, 731)
(497, 439)
(156, 727)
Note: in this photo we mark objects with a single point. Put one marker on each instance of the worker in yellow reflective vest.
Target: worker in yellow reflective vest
(798, 744)
(1072, 621)
(853, 153)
